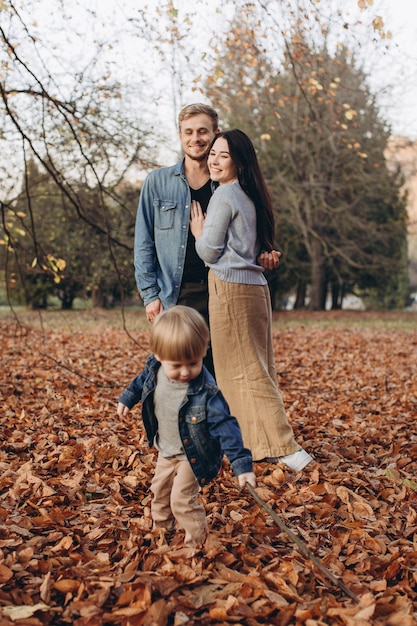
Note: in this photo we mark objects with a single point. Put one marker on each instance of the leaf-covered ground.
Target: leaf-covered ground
(76, 545)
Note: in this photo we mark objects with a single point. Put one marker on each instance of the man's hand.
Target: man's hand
(269, 260)
(247, 477)
(153, 309)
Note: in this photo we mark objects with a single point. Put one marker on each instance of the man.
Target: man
(168, 270)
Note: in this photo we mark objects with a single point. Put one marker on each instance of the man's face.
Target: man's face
(196, 134)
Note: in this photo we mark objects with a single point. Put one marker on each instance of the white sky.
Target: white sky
(392, 66)
(392, 70)
(400, 17)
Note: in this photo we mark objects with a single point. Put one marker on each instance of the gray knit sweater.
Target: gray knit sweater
(229, 244)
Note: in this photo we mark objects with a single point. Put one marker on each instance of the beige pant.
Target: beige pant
(241, 338)
(176, 492)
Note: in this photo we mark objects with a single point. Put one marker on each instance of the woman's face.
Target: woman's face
(220, 164)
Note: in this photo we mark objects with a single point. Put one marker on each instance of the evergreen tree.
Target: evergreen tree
(341, 222)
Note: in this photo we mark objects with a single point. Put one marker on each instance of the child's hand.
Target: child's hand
(122, 410)
(247, 477)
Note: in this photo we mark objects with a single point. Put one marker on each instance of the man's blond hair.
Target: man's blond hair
(195, 109)
(179, 333)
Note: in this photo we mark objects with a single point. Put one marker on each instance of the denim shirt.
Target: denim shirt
(161, 231)
(206, 428)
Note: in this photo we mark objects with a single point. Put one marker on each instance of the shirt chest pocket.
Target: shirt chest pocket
(195, 415)
(164, 213)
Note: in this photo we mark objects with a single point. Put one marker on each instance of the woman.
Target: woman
(238, 225)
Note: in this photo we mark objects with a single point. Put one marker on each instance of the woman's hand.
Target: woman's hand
(196, 219)
(269, 260)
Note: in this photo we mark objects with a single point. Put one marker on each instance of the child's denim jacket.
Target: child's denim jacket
(207, 429)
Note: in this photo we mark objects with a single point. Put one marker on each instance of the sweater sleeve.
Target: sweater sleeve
(220, 212)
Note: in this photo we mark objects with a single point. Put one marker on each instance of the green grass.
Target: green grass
(397, 320)
(133, 319)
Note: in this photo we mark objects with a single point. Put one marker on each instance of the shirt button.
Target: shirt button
(194, 419)
(193, 461)
(186, 442)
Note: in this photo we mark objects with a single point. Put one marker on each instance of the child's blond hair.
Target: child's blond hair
(179, 333)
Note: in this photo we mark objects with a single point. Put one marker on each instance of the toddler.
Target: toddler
(187, 419)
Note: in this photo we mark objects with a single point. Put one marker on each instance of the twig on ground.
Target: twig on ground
(303, 548)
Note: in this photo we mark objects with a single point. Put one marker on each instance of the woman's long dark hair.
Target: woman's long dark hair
(252, 182)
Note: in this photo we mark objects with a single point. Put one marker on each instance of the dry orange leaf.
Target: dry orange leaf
(76, 532)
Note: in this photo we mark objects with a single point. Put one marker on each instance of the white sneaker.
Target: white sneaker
(297, 460)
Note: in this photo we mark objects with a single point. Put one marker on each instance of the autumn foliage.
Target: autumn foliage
(76, 545)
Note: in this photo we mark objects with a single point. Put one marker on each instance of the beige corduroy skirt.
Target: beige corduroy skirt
(241, 338)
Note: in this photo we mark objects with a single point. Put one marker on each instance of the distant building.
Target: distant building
(403, 152)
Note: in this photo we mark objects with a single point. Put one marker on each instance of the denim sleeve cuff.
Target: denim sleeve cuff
(148, 295)
(128, 399)
(242, 465)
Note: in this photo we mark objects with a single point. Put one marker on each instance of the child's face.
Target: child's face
(181, 371)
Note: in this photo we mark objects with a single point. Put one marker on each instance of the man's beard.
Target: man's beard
(202, 157)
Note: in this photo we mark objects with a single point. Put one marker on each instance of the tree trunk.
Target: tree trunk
(335, 296)
(301, 294)
(67, 302)
(318, 291)
(98, 297)
(338, 292)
